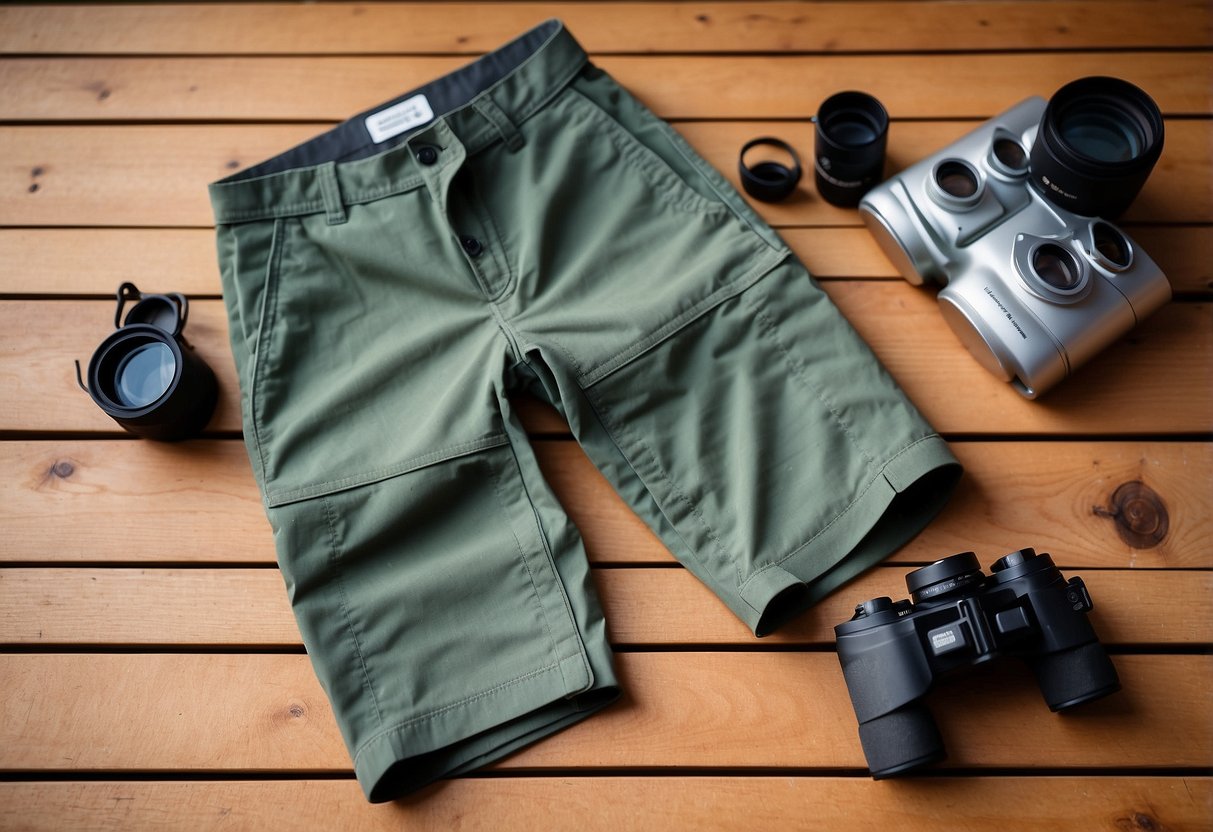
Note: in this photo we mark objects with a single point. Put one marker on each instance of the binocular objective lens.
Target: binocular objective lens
(1056, 267)
(1011, 155)
(1112, 245)
(144, 374)
(956, 179)
(1102, 132)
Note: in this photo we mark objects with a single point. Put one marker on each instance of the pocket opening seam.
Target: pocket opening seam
(416, 463)
(265, 322)
(650, 164)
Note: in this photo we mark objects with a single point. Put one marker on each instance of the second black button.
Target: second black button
(471, 245)
(427, 155)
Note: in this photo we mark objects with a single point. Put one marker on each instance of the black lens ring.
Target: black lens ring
(1127, 102)
(944, 575)
(105, 355)
(1082, 183)
(769, 181)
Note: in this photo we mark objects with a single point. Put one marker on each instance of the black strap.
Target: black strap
(769, 181)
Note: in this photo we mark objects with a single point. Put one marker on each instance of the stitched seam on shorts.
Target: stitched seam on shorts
(378, 474)
(769, 329)
(498, 256)
(842, 512)
(543, 613)
(269, 309)
(339, 581)
(568, 607)
(615, 428)
(684, 319)
(439, 711)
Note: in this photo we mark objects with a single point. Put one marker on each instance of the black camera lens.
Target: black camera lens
(1057, 267)
(1098, 141)
(944, 576)
(145, 376)
(1111, 247)
(851, 136)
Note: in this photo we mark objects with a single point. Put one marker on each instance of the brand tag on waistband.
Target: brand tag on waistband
(399, 117)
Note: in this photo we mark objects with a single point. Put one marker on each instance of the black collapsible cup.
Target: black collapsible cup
(146, 376)
(852, 133)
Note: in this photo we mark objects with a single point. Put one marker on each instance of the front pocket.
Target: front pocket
(667, 183)
(364, 366)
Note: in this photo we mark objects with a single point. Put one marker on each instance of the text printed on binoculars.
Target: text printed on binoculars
(1044, 180)
(998, 303)
(943, 639)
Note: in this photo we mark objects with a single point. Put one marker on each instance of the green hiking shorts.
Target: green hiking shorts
(524, 224)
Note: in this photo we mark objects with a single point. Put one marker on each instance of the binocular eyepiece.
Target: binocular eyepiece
(145, 375)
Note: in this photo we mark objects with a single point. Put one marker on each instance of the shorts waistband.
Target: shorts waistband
(480, 103)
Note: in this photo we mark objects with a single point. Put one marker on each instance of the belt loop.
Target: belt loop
(334, 208)
(488, 108)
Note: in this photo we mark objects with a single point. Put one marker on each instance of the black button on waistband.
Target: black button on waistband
(471, 245)
(427, 154)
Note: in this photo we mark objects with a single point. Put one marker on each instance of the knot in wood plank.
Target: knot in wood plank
(1141, 515)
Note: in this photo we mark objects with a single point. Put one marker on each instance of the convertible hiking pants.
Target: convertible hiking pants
(525, 224)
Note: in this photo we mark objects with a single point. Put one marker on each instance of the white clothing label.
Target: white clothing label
(399, 117)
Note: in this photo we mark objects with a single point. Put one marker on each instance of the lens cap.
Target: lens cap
(769, 181)
(158, 311)
(851, 136)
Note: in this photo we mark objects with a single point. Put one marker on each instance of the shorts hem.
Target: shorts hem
(405, 758)
(906, 493)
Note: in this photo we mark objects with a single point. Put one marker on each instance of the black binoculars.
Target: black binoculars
(145, 375)
(891, 653)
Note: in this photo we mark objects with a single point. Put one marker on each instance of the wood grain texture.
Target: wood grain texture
(644, 607)
(260, 713)
(109, 548)
(618, 804)
(422, 28)
(196, 502)
(93, 261)
(155, 175)
(901, 323)
(675, 86)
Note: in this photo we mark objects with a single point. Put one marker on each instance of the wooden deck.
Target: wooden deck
(151, 674)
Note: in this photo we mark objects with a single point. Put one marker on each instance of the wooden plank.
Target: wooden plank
(969, 804)
(93, 261)
(1013, 494)
(425, 28)
(154, 175)
(682, 86)
(900, 322)
(1126, 389)
(214, 713)
(196, 502)
(644, 607)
